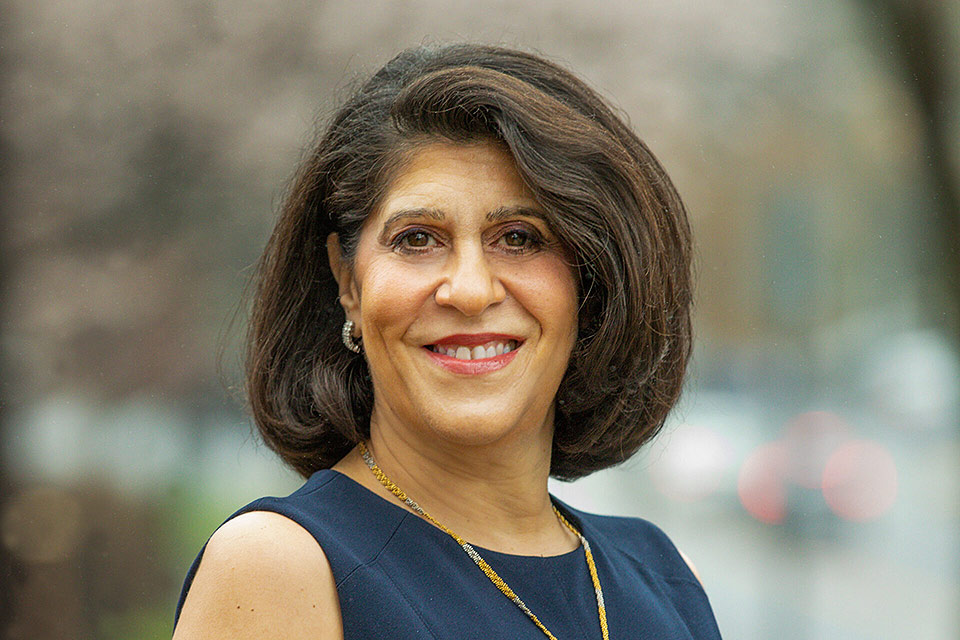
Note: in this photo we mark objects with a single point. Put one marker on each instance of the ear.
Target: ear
(343, 274)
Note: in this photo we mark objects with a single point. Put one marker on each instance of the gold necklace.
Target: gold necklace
(480, 562)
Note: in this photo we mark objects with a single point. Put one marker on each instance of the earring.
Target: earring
(348, 340)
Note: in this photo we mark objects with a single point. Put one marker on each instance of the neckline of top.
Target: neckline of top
(482, 550)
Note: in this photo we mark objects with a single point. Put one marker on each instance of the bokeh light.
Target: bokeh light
(860, 480)
(913, 380)
(761, 484)
(818, 450)
(693, 464)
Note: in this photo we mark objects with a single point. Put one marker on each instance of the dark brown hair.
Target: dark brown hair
(607, 199)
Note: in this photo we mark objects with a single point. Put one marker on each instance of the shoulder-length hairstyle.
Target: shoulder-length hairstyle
(606, 197)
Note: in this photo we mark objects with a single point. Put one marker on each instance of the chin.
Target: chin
(478, 429)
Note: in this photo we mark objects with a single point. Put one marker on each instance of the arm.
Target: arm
(262, 576)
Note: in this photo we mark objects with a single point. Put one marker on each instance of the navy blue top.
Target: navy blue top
(398, 576)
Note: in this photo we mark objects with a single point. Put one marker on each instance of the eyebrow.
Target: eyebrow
(498, 214)
(501, 213)
(434, 214)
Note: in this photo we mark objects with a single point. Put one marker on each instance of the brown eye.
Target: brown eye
(520, 240)
(416, 239)
(515, 238)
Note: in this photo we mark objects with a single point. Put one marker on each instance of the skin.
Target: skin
(456, 247)
(262, 576)
(474, 450)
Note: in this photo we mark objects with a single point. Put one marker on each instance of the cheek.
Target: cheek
(390, 295)
(550, 293)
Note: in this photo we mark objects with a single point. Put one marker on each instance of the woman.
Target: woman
(479, 279)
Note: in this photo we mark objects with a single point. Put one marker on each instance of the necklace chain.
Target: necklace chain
(480, 562)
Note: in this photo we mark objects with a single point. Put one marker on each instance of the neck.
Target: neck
(492, 495)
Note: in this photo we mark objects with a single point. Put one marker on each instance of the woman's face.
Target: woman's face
(466, 305)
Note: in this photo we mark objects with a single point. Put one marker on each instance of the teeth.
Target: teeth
(479, 352)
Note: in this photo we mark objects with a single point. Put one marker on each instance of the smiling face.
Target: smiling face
(465, 302)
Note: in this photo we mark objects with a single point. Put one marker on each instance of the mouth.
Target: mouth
(474, 354)
(486, 350)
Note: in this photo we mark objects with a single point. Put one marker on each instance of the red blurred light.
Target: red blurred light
(761, 484)
(860, 480)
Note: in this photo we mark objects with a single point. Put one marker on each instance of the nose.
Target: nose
(470, 284)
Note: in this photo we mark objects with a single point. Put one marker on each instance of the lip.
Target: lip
(471, 367)
(473, 339)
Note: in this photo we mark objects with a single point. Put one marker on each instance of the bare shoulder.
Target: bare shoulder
(262, 576)
(693, 568)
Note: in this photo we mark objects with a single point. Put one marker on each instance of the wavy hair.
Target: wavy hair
(606, 197)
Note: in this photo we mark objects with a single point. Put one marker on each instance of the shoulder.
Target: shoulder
(642, 550)
(642, 541)
(262, 575)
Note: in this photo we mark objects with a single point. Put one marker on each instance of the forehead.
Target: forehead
(449, 175)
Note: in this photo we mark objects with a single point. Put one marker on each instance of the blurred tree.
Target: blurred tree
(914, 34)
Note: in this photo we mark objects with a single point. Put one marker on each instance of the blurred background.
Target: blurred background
(812, 469)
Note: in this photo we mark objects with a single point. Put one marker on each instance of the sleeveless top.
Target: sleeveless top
(398, 576)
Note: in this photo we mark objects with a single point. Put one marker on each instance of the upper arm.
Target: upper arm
(261, 576)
